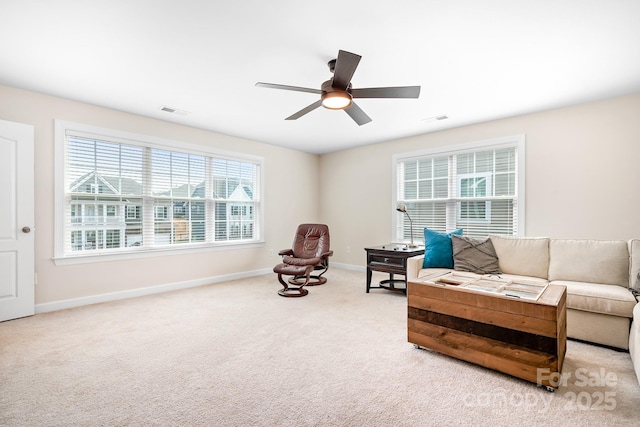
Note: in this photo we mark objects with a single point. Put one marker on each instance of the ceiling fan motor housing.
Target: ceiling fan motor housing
(333, 98)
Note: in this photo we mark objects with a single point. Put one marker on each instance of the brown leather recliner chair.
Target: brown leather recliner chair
(310, 252)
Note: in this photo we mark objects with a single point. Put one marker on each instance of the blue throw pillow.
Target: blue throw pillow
(438, 251)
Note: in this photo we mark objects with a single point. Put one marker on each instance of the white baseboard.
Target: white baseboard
(132, 293)
(348, 266)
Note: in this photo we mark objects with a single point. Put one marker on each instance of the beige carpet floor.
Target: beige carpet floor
(237, 354)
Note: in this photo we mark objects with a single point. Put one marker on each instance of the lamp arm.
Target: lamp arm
(407, 213)
(410, 227)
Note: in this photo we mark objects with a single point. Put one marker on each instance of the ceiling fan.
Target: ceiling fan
(337, 93)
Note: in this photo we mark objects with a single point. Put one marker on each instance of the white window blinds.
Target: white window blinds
(478, 189)
(124, 196)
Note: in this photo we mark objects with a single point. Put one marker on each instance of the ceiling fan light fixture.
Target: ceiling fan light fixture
(337, 92)
(336, 100)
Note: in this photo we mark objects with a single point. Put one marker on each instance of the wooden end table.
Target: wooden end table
(390, 258)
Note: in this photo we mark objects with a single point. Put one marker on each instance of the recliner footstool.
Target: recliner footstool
(295, 271)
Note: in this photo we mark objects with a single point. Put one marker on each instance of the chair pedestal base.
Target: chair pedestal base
(313, 280)
(293, 292)
(302, 271)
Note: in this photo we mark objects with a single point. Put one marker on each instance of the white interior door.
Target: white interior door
(16, 221)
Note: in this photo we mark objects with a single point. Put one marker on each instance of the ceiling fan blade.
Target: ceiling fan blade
(356, 113)
(285, 87)
(387, 92)
(346, 65)
(305, 110)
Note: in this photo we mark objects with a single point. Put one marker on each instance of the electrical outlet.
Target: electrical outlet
(348, 250)
(272, 252)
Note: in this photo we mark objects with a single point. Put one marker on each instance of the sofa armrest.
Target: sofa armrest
(414, 265)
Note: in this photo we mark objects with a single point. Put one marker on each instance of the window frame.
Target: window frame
(64, 258)
(517, 141)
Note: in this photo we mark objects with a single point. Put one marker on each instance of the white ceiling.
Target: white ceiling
(475, 60)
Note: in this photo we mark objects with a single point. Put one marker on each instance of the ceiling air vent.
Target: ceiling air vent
(442, 117)
(173, 111)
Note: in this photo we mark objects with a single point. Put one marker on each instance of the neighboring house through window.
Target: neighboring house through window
(117, 193)
(478, 187)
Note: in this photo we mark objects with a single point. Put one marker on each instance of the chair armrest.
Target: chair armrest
(286, 252)
(326, 254)
(414, 265)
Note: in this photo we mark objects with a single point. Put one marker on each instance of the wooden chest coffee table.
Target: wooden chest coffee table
(520, 336)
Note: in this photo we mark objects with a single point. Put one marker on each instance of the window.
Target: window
(477, 187)
(474, 186)
(121, 193)
(160, 212)
(132, 212)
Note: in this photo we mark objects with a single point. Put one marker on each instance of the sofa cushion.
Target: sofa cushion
(599, 298)
(438, 252)
(591, 261)
(474, 255)
(522, 256)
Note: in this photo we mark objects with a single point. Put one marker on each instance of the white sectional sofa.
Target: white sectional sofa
(599, 276)
(634, 333)
(634, 340)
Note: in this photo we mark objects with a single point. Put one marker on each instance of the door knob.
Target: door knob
(26, 229)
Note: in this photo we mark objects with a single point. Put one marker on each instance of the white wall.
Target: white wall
(282, 214)
(582, 172)
(582, 176)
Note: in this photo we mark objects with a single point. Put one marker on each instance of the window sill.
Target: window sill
(150, 253)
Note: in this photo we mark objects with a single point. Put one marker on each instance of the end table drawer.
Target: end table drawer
(387, 260)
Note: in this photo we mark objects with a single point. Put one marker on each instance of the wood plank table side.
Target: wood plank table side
(514, 336)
